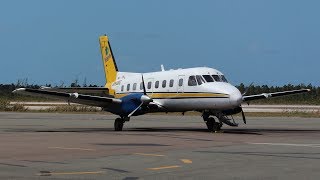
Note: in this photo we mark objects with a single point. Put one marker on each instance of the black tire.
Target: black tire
(118, 124)
(217, 126)
(210, 124)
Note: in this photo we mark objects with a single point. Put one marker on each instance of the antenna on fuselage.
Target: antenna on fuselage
(162, 67)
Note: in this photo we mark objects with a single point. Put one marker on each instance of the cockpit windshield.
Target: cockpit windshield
(216, 78)
(223, 78)
(200, 80)
(208, 78)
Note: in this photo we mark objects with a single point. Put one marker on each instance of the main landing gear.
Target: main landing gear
(118, 123)
(212, 125)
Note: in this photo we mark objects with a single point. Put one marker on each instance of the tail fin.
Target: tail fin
(109, 63)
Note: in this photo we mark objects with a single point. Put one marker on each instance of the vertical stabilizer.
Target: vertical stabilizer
(109, 63)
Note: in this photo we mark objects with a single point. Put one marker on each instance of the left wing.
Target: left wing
(103, 91)
(99, 101)
(276, 94)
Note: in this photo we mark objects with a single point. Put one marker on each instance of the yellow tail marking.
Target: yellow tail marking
(109, 64)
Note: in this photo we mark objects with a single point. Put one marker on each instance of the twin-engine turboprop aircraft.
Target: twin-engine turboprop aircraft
(201, 89)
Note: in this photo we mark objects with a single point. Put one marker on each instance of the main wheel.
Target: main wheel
(118, 124)
(217, 126)
(210, 124)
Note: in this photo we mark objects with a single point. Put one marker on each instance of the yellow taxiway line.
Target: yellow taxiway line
(186, 161)
(163, 167)
(144, 154)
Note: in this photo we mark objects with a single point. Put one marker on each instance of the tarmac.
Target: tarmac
(35, 106)
(84, 146)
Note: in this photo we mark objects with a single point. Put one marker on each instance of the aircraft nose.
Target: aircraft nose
(235, 97)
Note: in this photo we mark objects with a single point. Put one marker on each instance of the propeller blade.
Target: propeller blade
(245, 92)
(135, 110)
(243, 116)
(143, 86)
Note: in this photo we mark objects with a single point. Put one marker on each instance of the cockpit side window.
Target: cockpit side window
(192, 81)
(223, 78)
(200, 80)
(208, 78)
(216, 78)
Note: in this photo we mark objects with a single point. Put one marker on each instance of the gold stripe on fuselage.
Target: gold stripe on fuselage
(178, 95)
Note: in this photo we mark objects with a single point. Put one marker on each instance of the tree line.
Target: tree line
(312, 97)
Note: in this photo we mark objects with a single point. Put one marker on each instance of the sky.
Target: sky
(261, 41)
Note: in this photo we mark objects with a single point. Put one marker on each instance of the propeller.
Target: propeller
(245, 91)
(243, 116)
(143, 86)
(145, 99)
(135, 110)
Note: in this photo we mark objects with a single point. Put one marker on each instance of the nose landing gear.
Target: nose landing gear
(212, 125)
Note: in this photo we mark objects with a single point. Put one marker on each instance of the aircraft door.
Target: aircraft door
(181, 82)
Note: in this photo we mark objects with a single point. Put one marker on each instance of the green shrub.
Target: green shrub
(4, 105)
(18, 107)
(72, 108)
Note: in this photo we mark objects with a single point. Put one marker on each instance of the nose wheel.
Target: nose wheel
(212, 125)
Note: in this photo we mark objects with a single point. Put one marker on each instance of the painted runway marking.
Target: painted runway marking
(69, 173)
(66, 148)
(288, 144)
(144, 154)
(163, 167)
(186, 161)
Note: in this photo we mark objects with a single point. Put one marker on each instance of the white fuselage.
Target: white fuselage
(182, 89)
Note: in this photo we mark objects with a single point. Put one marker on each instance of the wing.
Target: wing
(276, 94)
(83, 90)
(99, 101)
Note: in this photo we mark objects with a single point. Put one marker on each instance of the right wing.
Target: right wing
(276, 94)
(99, 101)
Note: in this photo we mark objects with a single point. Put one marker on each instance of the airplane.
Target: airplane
(127, 94)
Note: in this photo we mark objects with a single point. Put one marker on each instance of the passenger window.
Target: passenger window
(149, 85)
(164, 83)
(171, 83)
(208, 78)
(134, 86)
(200, 80)
(122, 87)
(128, 87)
(216, 78)
(156, 85)
(180, 82)
(141, 85)
(192, 81)
(224, 78)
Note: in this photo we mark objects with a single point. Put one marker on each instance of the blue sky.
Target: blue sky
(262, 41)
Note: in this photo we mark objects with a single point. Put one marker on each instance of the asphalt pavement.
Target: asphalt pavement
(84, 146)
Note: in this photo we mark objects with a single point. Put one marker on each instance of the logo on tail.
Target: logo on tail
(108, 54)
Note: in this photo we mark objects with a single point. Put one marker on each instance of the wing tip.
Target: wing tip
(19, 89)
